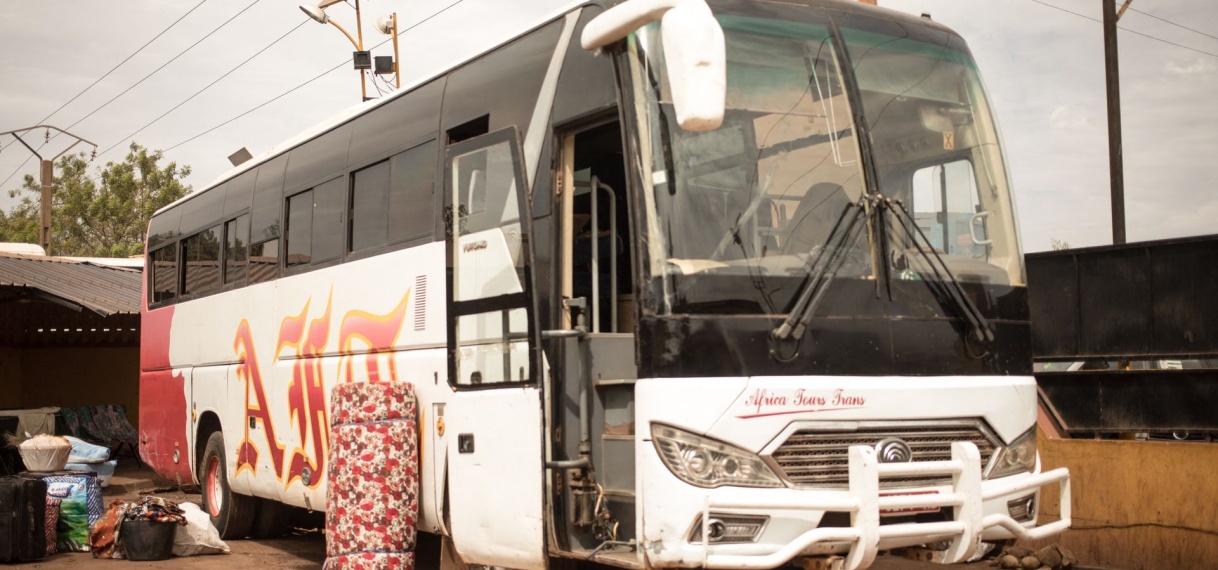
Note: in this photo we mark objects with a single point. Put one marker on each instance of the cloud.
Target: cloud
(1190, 66)
(1069, 117)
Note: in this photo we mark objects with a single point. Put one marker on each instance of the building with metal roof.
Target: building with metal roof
(69, 332)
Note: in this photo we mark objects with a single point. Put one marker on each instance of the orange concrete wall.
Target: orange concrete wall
(1138, 505)
(68, 377)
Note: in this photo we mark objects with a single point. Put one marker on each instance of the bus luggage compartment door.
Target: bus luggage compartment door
(494, 470)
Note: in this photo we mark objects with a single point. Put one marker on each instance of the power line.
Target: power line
(120, 64)
(99, 79)
(315, 78)
(208, 86)
(293, 89)
(164, 65)
(1158, 39)
(1164, 20)
(261, 105)
(125, 60)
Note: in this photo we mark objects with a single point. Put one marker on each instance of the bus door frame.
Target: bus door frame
(495, 455)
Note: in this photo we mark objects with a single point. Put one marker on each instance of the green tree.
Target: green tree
(97, 216)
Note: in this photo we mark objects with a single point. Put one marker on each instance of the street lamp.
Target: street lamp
(362, 58)
(388, 25)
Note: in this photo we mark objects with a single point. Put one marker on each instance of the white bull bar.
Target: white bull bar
(864, 501)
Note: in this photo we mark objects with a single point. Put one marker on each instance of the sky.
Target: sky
(257, 75)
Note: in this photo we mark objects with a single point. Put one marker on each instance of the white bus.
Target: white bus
(675, 286)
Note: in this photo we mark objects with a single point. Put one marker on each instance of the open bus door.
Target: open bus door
(495, 441)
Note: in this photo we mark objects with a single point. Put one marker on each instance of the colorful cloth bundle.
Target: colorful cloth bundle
(156, 509)
(105, 537)
(372, 503)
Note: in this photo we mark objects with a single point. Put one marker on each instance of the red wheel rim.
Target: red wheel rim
(214, 492)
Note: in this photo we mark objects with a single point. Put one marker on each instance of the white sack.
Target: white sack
(199, 536)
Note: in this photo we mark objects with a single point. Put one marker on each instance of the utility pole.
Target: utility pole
(1116, 168)
(46, 175)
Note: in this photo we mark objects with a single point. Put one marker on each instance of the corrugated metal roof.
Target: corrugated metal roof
(103, 290)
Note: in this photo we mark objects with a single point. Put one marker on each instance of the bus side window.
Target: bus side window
(265, 223)
(264, 261)
(412, 176)
(236, 257)
(315, 224)
(164, 282)
(201, 256)
(329, 219)
(299, 232)
(369, 200)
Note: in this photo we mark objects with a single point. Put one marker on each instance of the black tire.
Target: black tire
(272, 520)
(231, 513)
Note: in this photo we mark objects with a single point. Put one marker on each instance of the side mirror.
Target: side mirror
(694, 49)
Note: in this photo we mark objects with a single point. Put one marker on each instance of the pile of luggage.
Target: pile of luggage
(42, 514)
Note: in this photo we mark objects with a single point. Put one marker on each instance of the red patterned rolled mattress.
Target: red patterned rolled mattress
(372, 501)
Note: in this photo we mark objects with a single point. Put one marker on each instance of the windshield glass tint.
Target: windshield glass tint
(936, 149)
(740, 211)
(760, 194)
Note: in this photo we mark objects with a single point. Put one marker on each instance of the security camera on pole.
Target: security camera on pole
(362, 58)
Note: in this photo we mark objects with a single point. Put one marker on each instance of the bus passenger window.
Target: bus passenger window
(264, 261)
(165, 273)
(411, 190)
(329, 219)
(236, 259)
(300, 229)
(369, 200)
(201, 254)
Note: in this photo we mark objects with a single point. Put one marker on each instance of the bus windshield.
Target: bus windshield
(758, 198)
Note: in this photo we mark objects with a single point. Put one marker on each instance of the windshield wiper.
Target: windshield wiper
(945, 284)
(821, 268)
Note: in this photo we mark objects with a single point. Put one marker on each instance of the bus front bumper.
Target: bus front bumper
(967, 500)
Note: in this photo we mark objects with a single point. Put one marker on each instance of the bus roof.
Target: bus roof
(486, 32)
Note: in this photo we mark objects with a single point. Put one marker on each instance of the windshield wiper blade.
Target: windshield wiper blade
(947, 283)
(821, 270)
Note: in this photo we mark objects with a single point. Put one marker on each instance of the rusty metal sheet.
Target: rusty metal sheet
(100, 289)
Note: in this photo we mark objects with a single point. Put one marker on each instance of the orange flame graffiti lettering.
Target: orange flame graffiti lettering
(306, 392)
(248, 372)
(379, 332)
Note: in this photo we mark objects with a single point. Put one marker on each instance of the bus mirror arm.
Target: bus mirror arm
(694, 49)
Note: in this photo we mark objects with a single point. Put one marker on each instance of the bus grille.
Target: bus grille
(820, 458)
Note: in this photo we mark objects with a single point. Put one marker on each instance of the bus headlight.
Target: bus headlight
(704, 462)
(1019, 457)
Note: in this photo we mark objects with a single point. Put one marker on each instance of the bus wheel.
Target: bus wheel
(231, 513)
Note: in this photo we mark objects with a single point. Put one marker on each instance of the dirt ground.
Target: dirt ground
(303, 548)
